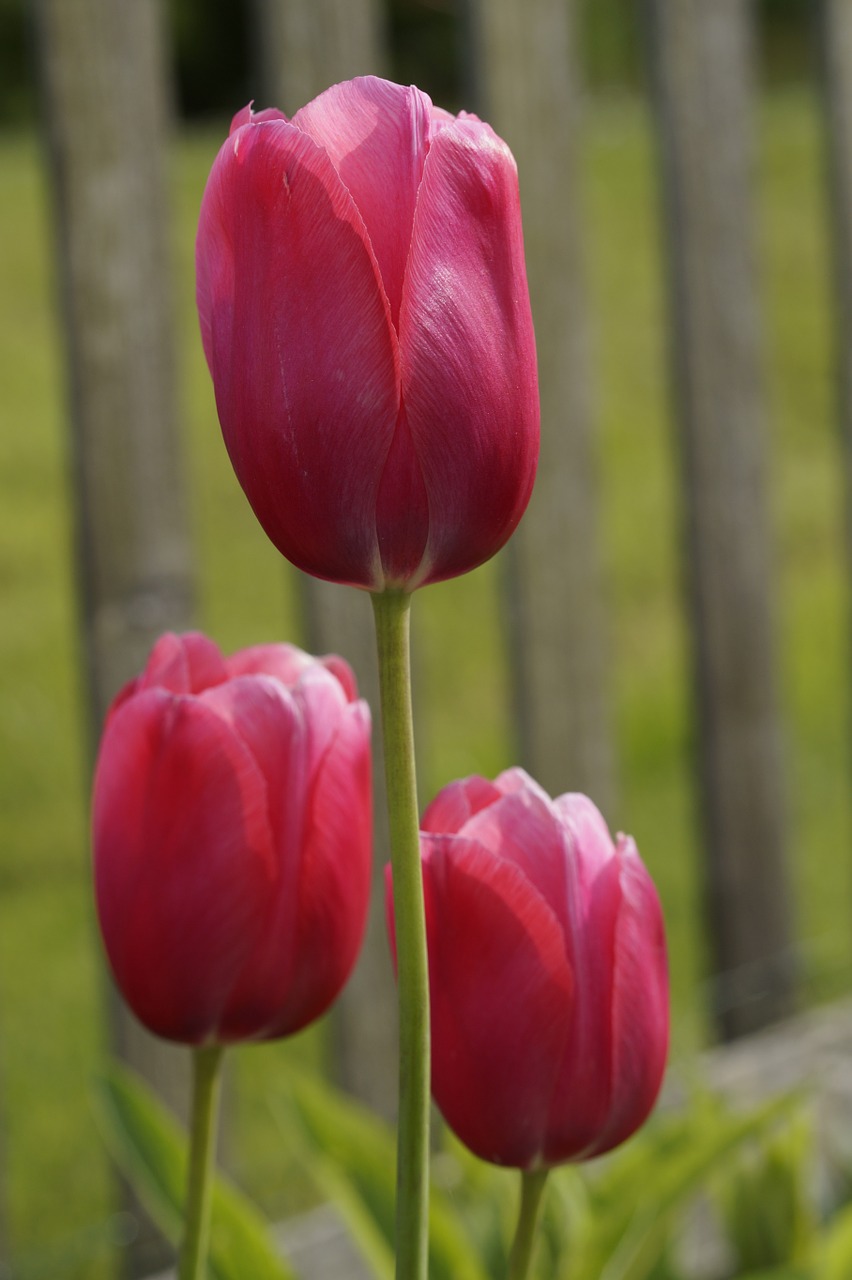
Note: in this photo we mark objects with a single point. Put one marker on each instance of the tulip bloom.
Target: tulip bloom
(549, 988)
(364, 312)
(232, 839)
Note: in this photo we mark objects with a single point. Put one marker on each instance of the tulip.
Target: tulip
(232, 839)
(364, 312)
(549, 987)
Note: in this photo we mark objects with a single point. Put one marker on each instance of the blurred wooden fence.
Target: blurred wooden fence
(105, 116)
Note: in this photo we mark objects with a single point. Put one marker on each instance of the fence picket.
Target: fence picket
(835, 84)
(103, 74)
(300, 48)
(527, 70)
(704, 109)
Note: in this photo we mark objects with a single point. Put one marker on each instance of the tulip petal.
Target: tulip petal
(343, 674)
(501, 999)
(268, 719)
(586, 1073)
(566, 852)
(298, 336)
(467, 349)
(247, 115)
(523, 828)
(402, 511)
(323, 702)
(377, 135)
(288, 664)
(640, 1001)
(285, 662)
(179, 803)
(456, 803)
(313, 747)
(334, 884)
(589, 832)
(441, 118)
(185, 663)
(620, 1035)
(517, 779)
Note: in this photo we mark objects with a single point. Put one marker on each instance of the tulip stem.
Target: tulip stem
(206, 1085)
(532, 1188)
(392, 611)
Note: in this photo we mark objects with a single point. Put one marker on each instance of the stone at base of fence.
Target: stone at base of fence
(812, 1052)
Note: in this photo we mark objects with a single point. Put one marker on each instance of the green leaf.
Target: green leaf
(778, 1273)
(351, 1155)
(836, 1258)
(335, 1185)
(484, 1197)
(675, 1182)
(150, 1148)
(336, 1129)
(765, 1199)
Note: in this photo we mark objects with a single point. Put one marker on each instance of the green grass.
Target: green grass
(51, 1037)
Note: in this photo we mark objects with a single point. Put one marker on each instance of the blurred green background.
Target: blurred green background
(53, 1175)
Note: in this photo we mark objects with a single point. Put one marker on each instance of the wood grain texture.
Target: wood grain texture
(704, 98)
(106, 104)
(530, 92)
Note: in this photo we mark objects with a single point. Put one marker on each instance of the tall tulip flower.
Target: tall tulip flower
(232, 839)
(364, 312)
(365, 316)
(549, 985)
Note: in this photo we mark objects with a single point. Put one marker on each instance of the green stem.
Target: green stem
(412, 1214)
(532, 1187)
(206, 1084)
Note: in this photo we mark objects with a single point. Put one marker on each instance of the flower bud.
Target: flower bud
(232, 839)
(547, 963)
(365, 315)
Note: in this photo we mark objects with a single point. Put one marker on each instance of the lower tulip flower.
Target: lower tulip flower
(232, 839)
(547, 963)
(232, 845)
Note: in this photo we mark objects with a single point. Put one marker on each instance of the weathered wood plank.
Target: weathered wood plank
(835, 83)
(702, 73)
(303, 46)
(529, 84)
(106, 101)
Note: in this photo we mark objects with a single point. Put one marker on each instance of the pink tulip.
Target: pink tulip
(365, 316)
(549, 988)
(232, 839)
